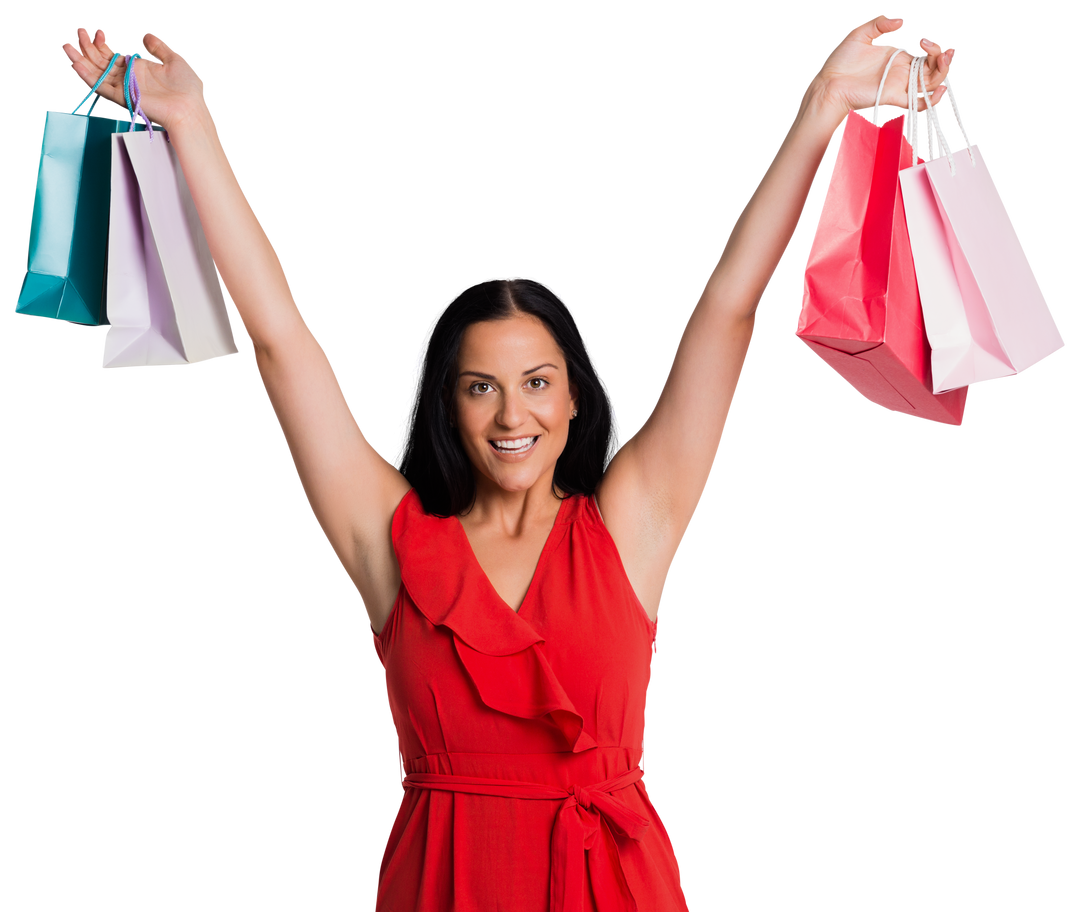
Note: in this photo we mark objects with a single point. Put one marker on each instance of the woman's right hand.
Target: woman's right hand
(170, 91)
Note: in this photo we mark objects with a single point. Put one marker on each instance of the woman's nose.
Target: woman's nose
(511, 411)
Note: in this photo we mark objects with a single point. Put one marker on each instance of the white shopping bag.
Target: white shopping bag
(163, 297)
(983, 312)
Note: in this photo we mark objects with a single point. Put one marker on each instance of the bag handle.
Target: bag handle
(911, 125)
(132, 95)
(90, 99)
(933, 124)
(881, 85)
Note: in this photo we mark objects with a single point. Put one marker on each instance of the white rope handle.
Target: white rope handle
(881, 85)
(954, 108)
(911, 125)
(933, 123)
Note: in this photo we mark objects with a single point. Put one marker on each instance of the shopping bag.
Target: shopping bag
(984, 313)
(68, 232)
(165, 304)
(860, 309)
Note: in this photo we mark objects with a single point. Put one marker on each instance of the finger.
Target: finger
(158, 48)
(935, 98)
(90, 52)
(933, 56)
(93, 50)
(881, 26)
(936, 65)
(944, 62)
(86, 70)
(90, 64)
(103, 48)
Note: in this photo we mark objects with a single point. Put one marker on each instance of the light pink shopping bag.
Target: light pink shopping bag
(984, 314)
(163, 297)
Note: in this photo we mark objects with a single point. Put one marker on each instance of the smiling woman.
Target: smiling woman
(513, 613)
(505, 360)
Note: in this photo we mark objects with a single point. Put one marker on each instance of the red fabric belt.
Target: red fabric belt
(577, 826)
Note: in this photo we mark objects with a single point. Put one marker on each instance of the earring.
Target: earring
(573, 414)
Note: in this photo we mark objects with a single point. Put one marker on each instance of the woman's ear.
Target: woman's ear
(573, 401)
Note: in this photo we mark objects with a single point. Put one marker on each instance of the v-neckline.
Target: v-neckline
(536, 570)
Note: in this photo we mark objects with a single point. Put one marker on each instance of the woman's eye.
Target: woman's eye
(480, 387)
(474, 388)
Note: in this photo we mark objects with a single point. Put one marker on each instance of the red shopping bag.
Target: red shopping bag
(861, 310)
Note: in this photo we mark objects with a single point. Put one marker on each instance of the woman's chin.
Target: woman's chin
(513, 479)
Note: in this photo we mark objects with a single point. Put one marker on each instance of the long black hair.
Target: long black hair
(435, 462)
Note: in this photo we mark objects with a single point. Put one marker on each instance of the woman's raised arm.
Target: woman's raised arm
(657, 481)
(173, 95)
(352, 489)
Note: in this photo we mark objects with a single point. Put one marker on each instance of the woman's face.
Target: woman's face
(512, 401)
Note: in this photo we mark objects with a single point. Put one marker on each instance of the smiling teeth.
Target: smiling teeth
(511, 446)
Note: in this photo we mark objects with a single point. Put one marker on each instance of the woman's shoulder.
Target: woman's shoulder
(580, 508)
(410, 516)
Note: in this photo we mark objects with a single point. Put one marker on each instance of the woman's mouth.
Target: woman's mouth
(514, 447)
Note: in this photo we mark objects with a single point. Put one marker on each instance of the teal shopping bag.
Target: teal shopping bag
(65, 277)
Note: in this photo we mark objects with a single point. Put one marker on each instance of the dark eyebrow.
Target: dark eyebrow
(491, 377)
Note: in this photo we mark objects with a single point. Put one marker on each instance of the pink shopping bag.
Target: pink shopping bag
(984, 314)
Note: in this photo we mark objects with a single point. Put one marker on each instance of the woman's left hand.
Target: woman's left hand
(851, 75)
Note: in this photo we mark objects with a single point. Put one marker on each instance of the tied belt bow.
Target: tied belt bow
(577, 826)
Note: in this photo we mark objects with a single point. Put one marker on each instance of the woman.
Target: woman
(512, 575)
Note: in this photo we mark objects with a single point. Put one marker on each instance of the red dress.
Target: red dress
(521, 732)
